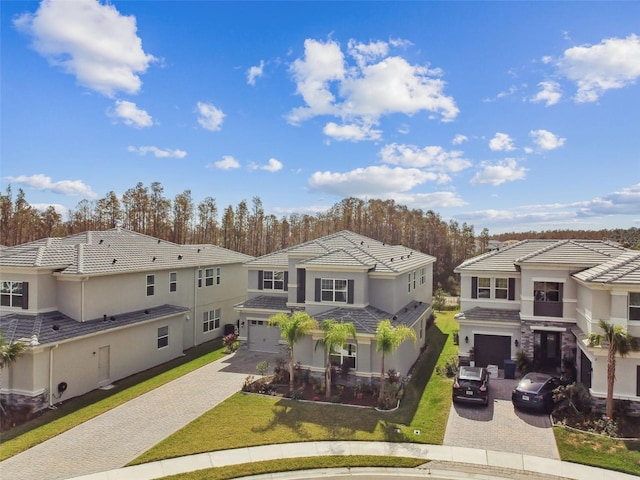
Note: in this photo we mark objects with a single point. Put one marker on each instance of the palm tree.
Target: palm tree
(292, 328)
(388, 339)
(9, 353)
(619, 343)
(334, 336)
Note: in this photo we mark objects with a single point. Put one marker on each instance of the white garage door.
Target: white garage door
(262, 337)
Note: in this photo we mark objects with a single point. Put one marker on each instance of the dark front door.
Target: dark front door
(546, 351)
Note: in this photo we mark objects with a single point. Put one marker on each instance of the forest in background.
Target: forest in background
(246, 228)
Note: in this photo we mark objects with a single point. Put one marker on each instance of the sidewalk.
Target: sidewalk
(116, 437)
(467, 460)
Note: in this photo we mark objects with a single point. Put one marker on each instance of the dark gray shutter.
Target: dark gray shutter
(318, 292)
(260, 277)
(474, 287)
(286, 281)
(512, 289)
(637, 381)
(301, 286)
(25, 295)
(350, 284)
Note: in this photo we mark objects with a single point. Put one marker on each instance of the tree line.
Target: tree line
(246, 228)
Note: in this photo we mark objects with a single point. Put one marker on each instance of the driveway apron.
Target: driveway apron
(500, 427)
(118, 436)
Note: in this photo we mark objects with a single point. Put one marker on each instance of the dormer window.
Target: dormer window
(334, 290)
(272, 280)
(11, 294)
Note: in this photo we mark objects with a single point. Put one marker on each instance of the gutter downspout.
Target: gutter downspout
(51, 349)
(82, 319)
(195, 304)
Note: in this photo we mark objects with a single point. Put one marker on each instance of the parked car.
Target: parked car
(471, 385)
(535, 392)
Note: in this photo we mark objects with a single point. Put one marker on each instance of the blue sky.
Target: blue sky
(512, 116)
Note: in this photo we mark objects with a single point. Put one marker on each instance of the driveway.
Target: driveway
(499, 426)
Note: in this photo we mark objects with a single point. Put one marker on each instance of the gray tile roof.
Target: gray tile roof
(55, 327)
(114, 251)
(366, 319)
(266, 302)
(577, 253)
(348, 249)
(490, 314)
(622, 270)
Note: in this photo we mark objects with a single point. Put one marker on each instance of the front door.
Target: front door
(546, 351)
(104, 374)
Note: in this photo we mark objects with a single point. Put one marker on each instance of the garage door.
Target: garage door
(491, 349)
(262, 337)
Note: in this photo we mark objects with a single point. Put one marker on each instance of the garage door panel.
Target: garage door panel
(491, 349)
(262, 337)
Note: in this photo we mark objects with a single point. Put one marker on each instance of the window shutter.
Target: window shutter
(318, 290)
(25, 295)
(512, 289)
(301, 286)
(474, 287)
(286, 281)
(260, 277)
(637, 381)
(350, 284)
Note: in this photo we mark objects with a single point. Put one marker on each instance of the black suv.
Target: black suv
(471, 385)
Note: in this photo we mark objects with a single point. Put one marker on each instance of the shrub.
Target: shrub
(230, 342)
(247, 386)
(393, 376)
(573, 398)
(297, 394)
(523, 362)
(280, 371)
(262, 367)
(449, 369)
(344, 370)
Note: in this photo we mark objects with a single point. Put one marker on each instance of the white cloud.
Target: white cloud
(64, 187)
(351, 132)
(613, 63)
(42, 207)
(227, 163)
(210, 117)
(370, 86)
(549, 93)
(131, 115)
(499, 173)
(428, 201)
(545, 140)
(459, 139)
(507, 93)
(625, 202)
(434, 158)
(372, 181)
(91, 41)
(157, 152)
(255, 72)
(501, 142)
(273, 165)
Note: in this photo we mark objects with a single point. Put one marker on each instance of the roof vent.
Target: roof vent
(100, 242)
(179, 257)
(104, 317)
(395, 317)
(198, 250)
(159, 240)
(153, 259)
(146, 312)
(392, 259)
(114, 261)
(56, 327)
(113, 319)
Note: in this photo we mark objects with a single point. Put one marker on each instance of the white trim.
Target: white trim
(549, 279)
(545, 328)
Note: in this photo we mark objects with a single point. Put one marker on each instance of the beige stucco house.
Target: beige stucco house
(99, 306)
(545, 297)
(345, 277)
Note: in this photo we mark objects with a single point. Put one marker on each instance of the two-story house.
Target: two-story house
(98, 306)
(345, 277)
(544, 297)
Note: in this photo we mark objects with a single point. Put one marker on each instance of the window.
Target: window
(211, 320)
(634, 305)
(11, 294)
(409, 283)
(333, 290)
(208, 277)
(199, 278)
(218, 276)
(502, 288)
(423, 276)
(151, 284)
(345, 356)
(546, 292)
(173, 281)
(272, 280)
(484, 287)
(163, 336)
(414, 280)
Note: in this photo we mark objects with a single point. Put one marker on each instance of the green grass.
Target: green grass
(598, 451)
(293, 464)
(250, 420)
(79, 410)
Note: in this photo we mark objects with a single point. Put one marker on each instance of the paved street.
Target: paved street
(499, 427)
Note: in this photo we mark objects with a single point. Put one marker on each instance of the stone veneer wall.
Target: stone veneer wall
(567, 341)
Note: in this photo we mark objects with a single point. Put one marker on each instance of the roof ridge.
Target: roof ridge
(593, 249)
(39, 256)
(553, 245)
(625, 270)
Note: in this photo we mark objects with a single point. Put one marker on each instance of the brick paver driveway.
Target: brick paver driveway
(500, 427)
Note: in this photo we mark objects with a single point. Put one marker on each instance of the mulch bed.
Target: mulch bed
(627, 426)
(347, 397)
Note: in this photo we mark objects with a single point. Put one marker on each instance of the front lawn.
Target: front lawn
(249, 420)
(598, 451)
